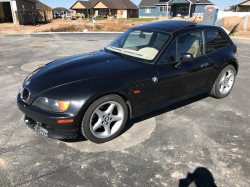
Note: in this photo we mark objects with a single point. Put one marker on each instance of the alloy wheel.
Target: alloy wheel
(226, 81)
(107, 119)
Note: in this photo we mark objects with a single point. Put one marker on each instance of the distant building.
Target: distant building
(8, 9)
(60, 11)
(104, 8)
(163, 8)
(243, 7)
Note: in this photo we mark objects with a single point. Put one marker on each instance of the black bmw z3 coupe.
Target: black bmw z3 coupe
(147, 68)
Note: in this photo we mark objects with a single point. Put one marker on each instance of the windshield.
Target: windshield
(140, 44)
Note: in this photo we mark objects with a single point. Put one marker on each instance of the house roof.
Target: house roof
(40, 5)
(60, 9)
(153, 3)
(86, 4)
(150, 3)
(113, 4)
(243, 3)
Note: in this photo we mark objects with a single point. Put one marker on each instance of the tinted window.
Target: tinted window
(170, 55)
(139, 44)
(138, 37)
(187, 43)
(191, 43)
(161, 39)
(215, 40)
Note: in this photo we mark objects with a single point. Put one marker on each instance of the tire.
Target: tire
(224, 85)
(105, 119)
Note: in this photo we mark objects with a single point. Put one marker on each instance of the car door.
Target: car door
(192, 76)
(143, 87)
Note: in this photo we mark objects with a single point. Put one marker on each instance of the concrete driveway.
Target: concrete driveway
(204, 136)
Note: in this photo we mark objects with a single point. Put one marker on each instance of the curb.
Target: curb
(79, 33)
(43, 33)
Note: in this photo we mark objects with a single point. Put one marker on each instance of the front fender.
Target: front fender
(87, 91)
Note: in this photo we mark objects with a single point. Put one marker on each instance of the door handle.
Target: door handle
(204, 65)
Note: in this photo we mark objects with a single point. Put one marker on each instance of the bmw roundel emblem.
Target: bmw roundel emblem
(27, 83)
(155, 79)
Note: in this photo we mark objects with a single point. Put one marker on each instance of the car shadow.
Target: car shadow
(131, 122)
(201, 177)
(79, 138)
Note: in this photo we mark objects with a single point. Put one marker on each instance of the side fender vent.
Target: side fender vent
(139, 83)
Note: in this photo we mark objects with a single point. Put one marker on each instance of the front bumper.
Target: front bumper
(37, 119)
(48, 131)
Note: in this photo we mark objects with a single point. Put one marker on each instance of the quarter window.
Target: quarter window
(147, 10)
(215, 40)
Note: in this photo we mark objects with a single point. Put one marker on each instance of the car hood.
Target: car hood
(79, 68)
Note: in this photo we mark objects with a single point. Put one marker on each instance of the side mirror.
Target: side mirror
(185, 57)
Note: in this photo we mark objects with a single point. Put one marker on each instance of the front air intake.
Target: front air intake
(25, 95)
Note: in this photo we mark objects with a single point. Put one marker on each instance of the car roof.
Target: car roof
(172, 25)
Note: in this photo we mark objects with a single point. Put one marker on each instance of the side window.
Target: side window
(170, 55)
(191, 43)
(188, 43)
(215, 40)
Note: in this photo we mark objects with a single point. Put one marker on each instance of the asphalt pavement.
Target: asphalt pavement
(203, 136)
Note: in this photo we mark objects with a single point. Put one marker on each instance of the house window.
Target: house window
(147, 10)
(163, 9)
(131, 11)
(183, 9)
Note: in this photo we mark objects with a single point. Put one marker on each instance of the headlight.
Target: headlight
(21, 89)
(51, 105)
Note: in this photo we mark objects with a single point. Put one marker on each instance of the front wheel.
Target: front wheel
(224, 83)
(105, 119)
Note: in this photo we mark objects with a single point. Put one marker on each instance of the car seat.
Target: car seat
(191, 45)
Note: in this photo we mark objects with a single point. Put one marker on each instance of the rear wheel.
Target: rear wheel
(105, 119)
(224, 83)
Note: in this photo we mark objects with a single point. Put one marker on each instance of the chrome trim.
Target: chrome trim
(22, 95)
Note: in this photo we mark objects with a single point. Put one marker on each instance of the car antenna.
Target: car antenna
(197, 14)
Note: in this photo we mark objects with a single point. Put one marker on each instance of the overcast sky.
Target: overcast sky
(68, 3)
